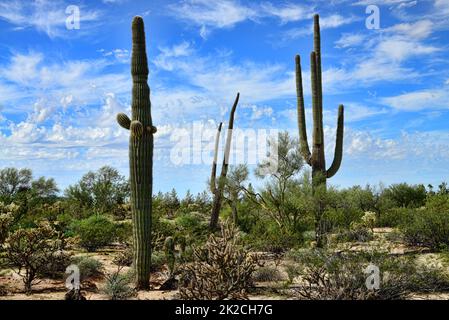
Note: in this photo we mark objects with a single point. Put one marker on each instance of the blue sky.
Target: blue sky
(60, 89)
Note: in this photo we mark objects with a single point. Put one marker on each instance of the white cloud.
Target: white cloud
(222, 14)
(350, 40)
(45, 16)
(165, 59)
(419, 100)
(30, 76)
(379, 2)
(417, 30)
(286, 13)
(326, 22)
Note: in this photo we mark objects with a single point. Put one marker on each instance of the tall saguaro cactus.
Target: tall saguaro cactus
(217, 188)
(140, 155)
(316, 158)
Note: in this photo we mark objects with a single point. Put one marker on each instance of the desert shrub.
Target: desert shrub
(124, 258)
(341, 276)
(427, 228)
(358, 232)
(292, 271)
(267, 274)
(407, 196)
(438, 202)
(268, 236)
(192, 223)
(95, 232)
(157, 260)
(221, 269)
(394, 217)
(124, 232)
(121, 211)
(89, 267)
(341, 218)
(32, 250)
(118, 285)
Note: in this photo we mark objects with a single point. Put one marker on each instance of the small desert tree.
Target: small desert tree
(13, 181)
(102, 191)
(279, 198)
(31, 250)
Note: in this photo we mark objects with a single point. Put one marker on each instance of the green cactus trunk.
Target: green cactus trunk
(140, 155)
(317, 159)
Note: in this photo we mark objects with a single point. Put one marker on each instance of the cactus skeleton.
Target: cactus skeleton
(140, 155)
(316, 158)
(217, 188)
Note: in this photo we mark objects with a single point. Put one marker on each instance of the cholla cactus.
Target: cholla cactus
(7, 213)
(217, 188)
(140, 155)
(222, 269)
(369, 219)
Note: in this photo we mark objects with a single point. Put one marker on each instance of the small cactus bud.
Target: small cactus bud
(136, 128)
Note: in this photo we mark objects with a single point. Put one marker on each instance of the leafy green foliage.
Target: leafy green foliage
(95, 232)
(427, 228)
(101, 191)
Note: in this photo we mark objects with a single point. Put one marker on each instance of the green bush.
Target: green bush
(357, 233)
(427, 228)
(394, 217)
(157, 261)
(193, 223)
(124, 232)
(268, 236)
(118, 285)
(89, 267)
(95, 232)
(342, 218)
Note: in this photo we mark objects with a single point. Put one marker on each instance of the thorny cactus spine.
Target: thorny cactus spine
(316, 159)
(217, 189)
(140, 155)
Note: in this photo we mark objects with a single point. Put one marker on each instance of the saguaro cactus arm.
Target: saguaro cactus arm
(218, 190)
(224, 169)
(213, 176)
(123, 120)
(338, 144)
(305, 151)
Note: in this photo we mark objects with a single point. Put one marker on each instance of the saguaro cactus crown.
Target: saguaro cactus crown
(316, 158)
(217, 188)
(140, 155)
